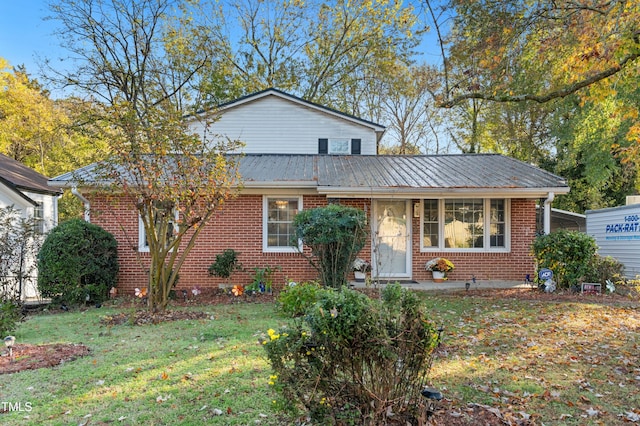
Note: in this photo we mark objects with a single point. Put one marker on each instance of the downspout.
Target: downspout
(547, 212)
(87, 205)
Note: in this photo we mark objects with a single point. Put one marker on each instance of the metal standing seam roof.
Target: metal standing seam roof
(382, 172)
(462, 171)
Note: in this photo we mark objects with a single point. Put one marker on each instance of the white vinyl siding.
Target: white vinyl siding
(272, 125)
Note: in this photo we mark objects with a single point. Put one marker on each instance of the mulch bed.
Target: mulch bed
(146, 317)
(32, 357)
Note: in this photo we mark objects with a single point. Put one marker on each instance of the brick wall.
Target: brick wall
(239, 226)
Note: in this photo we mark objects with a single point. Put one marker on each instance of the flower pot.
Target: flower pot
(438, 276)
(360, 276)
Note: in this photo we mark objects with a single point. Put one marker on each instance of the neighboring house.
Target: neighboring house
(27, 191)
(477, 210)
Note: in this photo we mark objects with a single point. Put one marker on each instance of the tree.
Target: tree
(43, 133)
(406, 103)
(127, 57)
(555, 81)
(19, 245)
(335, 234)
(329, 53)
(570, 44)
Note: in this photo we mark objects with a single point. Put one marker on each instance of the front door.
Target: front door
(391, 239)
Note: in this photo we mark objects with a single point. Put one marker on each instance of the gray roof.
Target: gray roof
(400, 174)
(356, 175)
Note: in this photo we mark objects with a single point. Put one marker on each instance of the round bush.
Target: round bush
(567, 253)
(78, 259)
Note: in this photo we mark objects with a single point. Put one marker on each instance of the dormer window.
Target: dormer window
(339, 146)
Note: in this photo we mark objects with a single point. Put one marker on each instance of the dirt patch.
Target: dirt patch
(559, 296)
(32, 357)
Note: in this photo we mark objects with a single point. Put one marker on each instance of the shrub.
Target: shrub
(262, 279)
(225, 264)
(294, 301)
(9, 317)
(19, 245)
(603, 268)
(78, 259)
(335, 235)
(355, 360)
(567, 253)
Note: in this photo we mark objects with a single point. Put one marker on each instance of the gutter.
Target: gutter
(547, 212)
(85, 202)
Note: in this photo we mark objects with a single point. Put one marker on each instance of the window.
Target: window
(38, 218)
(340, 146)
(497, 224)
(463, 224)
(143, 242)
(278, 223)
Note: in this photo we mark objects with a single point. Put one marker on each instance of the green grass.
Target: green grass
(178, 372)
(557, 362)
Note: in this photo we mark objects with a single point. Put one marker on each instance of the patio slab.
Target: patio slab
(453, 285)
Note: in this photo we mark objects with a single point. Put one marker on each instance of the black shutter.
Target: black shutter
(355, 146)
(323, 146)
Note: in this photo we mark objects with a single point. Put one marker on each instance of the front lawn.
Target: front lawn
(573, 362)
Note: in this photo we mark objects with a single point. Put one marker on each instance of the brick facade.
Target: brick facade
(239, 226)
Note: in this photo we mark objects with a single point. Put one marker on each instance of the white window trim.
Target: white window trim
(142, 236)
(38, 220)
(265, 225)
(487, 228)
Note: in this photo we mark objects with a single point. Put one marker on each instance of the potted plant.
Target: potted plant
(439, 268)
(360, 268)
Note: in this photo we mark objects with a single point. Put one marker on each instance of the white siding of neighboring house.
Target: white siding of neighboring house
(273, 125)
(617, 233)
(49, 204)
(49, 207)
(8, 197)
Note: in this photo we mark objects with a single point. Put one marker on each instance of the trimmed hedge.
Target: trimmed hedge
(78, 259)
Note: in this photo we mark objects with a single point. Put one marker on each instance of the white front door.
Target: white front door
(391, 239)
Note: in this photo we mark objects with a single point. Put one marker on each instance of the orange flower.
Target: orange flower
(141, 293)
(237, 290)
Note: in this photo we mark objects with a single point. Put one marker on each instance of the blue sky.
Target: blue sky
(24, 34)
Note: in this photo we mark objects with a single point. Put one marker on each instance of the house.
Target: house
(477, 210)
(28, 192)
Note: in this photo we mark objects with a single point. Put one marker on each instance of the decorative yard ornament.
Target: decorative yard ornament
(9, 341)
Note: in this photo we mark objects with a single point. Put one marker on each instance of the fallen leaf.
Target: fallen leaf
(591, 412)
